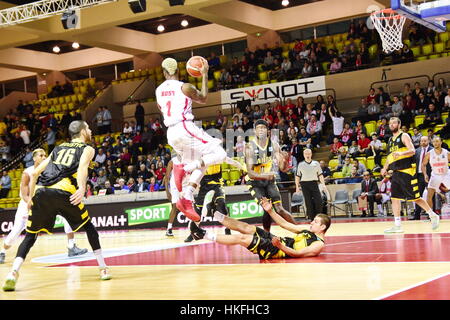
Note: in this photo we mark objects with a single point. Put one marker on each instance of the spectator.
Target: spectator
(304, 138)
(100, 158)
(422, 103)
(347, 168)
(359, 129)
(397, 108)
(28, 159)
(107, 118)
(335, 147)
(268, 61)
(373, 111)
(154, 185)
(5, 183)
(354, 176)
(381, 97)
(296, 152)
(353, 150)
(141, 185)
(375, 149)
(16, 144)
(369, 194)
(4, 152)
(122, 185)
(362, 111)
(335, 66)
(359, 167)
(432, 118)
(127, 128)
(407, 55)
(276, 73)
(108, 187)
(99, 120)
(416, 137)
(101, 179)
(447, 100)
(325, 171)
(258, 114)
(286, 66)
(444, 133)
(89, 190)
(371, 97)
(346, 134)
(67, 89)
(139, 115)
(306, 70)
(314, 129)
(438, 100)
(160, 173)
(214, 62)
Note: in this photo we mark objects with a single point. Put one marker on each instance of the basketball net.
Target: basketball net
(389, 25)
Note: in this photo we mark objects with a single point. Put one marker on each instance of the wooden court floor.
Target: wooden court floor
(359, 262)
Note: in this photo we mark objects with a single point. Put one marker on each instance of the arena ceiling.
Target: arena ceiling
(120, 34)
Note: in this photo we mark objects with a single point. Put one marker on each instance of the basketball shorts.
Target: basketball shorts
(47, 204)
(263, 247)
(264, 189)
(436, 181)
(404, 186)
(192, 142)
(218, 202)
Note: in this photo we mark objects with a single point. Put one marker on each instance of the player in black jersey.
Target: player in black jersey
(60, 188)
(211, 196)
(306, 243)
(259, 154)
(404, 183)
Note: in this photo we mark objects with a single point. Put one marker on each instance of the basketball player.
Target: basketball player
(22, 212)
(59, 190)
(306, 243)
(439, 159)
(211, 196)
(260, 178)
(404, 183)
(197, 149)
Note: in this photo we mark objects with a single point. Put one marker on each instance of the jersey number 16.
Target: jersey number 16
(65, 157)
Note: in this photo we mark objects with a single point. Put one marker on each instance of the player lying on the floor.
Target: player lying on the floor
(306, 243)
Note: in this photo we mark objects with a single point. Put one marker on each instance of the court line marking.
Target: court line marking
(379, 240)
(411, 287)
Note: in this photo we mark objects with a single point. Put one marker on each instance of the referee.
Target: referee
(308, 175)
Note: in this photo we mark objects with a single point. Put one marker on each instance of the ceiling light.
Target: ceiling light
(75, 45)
(56, 49)
(160, 28)
(285, 3)
(184, 23)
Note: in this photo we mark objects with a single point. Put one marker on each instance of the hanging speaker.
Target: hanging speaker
(176, 2)
(70, 19)
(137, 6)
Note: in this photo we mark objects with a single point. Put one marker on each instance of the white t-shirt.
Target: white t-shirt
(338, 125)
(376, 144)
(447, 100)
(173, 103)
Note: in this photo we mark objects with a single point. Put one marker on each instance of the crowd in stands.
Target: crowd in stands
(314, 58)
(59, 90)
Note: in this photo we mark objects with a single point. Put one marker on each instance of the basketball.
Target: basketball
(194, 65)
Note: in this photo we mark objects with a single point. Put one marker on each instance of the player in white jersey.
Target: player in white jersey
(21, 217)
(198, 150)
(439, 159)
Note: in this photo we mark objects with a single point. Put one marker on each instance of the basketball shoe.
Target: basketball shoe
(169, 233)
(75, 251)
(434, 222)
(394, 229)
(10, 281)
(187, 207)
(196, 232)
(104, 274)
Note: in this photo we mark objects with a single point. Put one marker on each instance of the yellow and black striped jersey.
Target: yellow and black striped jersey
(262, 156)
(64, 163)
(396, 144)
(302, 240)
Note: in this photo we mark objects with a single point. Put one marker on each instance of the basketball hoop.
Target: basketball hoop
(389, 25)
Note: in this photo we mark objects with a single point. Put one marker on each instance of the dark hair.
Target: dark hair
(76, 127)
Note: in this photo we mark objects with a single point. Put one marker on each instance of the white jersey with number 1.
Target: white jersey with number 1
(439, 169)
(174, 104)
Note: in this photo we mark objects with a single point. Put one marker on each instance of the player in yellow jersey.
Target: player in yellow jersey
(259, 155)
(211, 197)
(305, 243)
(404, 184)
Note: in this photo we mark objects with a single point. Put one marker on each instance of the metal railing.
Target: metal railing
(386, 81)
(438, 73)
(17, 159)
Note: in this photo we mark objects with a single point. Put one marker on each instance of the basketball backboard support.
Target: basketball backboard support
(433, 14)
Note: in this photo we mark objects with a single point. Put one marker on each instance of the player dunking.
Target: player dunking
(59, 190)
(260, 178)
(306, 243)
(197, 149)
(22, 212)
(404, 182)
(438, 159)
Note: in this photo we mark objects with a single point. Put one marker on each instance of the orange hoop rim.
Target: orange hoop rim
(386, 11)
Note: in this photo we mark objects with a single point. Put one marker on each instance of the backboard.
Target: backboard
(433, 14)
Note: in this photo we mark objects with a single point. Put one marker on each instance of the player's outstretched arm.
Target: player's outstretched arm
(190, 91)
(82, 174)
(312, 250)
(267, 206)
(425, 161)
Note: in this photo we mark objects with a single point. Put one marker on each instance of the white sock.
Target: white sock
(17, 263)
(210, 236)
(219, 216)
(196, 176)
(189, 193)
(169, 226)
(431, 213)
(192, 166)
(398, 221)
(70, 243)
(100, 259)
